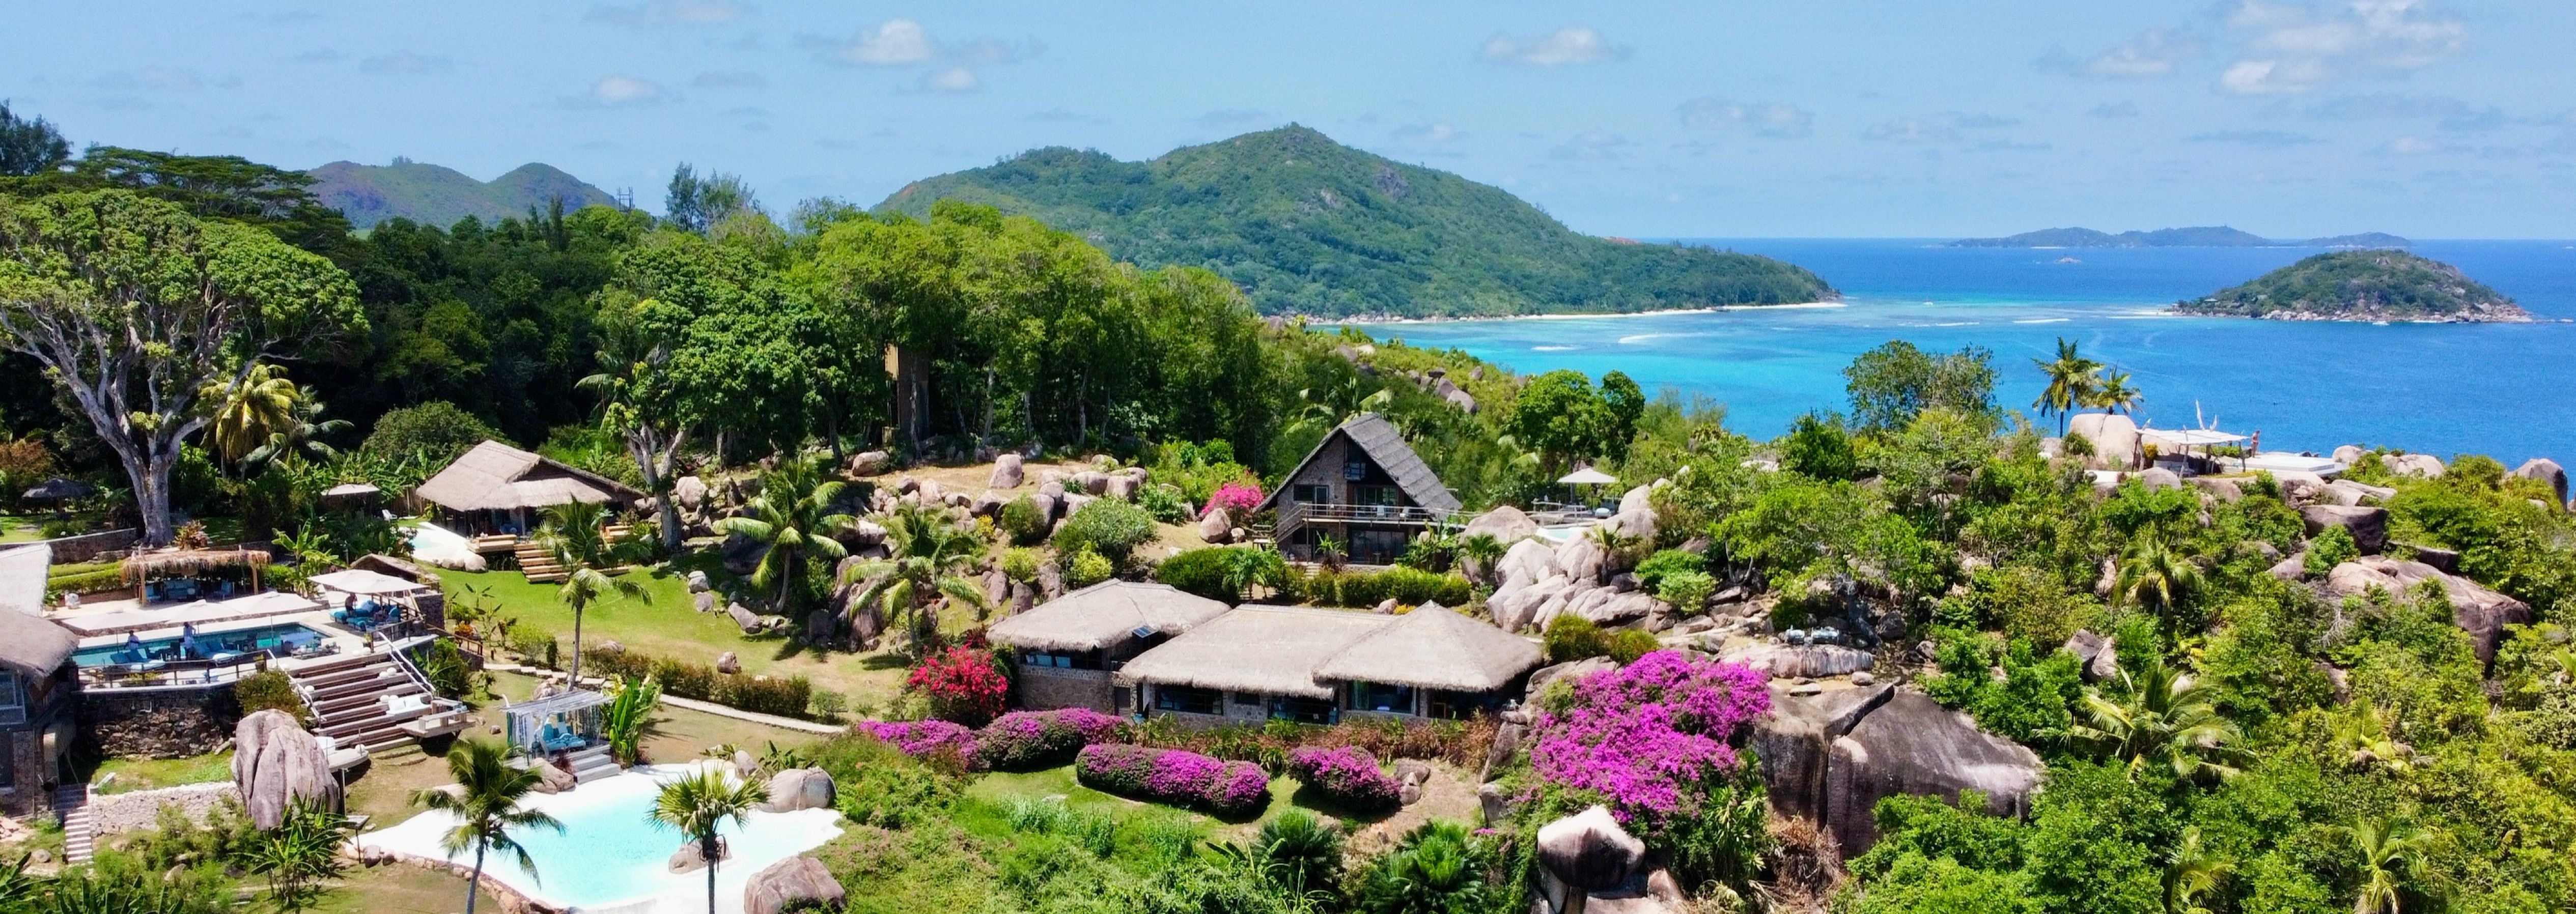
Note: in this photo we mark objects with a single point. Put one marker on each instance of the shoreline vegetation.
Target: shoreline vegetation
(2378, 286)
(1374, 320)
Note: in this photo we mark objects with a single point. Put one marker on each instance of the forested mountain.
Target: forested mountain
(2207, 236)
(437, 195)
(1309, 226)
(2375, 285)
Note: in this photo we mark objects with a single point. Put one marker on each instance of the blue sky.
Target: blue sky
(1810, 118)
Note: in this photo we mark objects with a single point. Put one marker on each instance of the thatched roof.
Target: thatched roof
(1385, 446)
(182, 562)
(1435, 648)
(497, 477)
(22, 577)
(33, 645)
(1268, 649)
(1105, 614)
(58, 489)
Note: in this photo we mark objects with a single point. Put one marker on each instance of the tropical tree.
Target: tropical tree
(2160, 716)
(2113, 394)
(485, 802)
(639, 403)
(699, 804)
(1434, 869)
(628, 717)
(793, 516)
(2153, 575)
(135, 308)
(2070, 382)
(930, 557)
(2386, 857)
(302, 850)
(2366, 735)
(576, 536)
(1246, 566)
(247, 413)
(2191, 873)
(1479, 552)
(1295, 851)
(302, 435)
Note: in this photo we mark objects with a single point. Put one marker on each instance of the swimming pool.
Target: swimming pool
(611, 857)
(278, 640)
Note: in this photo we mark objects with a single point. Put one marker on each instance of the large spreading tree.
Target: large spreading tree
(140, 310)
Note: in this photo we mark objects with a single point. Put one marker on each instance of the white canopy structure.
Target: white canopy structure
(1588, 476)
(366, 583)
(2190, 437)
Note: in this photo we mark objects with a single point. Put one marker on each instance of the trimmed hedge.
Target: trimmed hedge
(1408, 586)
(760, 695)
(1198, 571)
(1347, 775)
(1174, 777)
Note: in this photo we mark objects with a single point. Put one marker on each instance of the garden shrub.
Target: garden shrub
(687, 680)
(2334, 546)
(2033, 699)
(1025, 740)
(1085, 568)
(1347, 775)
(878, 785)
(1021, 519)
(1239, 499)
(963, 684)
(267, 690)
(1107, 526)
(436, 430)
(1687, 591)
(765, 695)
(924, 738)
(1164, 501)
(1651, 572)
(1648, 735)
(1198, 571)
(1175, 777)
(1409, 586)
(534, 645)
(1571, 637)
(1020, 564)
(87, 582)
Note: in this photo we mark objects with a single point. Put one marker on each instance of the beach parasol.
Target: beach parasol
(57, 489)
(1587, 476)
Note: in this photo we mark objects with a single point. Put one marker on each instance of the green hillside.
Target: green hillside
(435, 195)
(1309, 226)
(2373, 285)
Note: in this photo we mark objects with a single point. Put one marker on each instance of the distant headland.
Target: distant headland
(2207, 236)
(2376, 285)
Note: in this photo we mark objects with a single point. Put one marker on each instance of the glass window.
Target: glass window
(1248, 698)
(1311, 493)
(1372, 696)
(1303, 710)
(1189, 700)
(13, 707)
(1355, 470)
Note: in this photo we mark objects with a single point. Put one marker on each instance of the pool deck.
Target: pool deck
(118, 617)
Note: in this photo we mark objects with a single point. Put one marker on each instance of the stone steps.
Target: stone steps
(71, 807)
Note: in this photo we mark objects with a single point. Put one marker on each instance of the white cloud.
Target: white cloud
(2411, 146)
(624, 90)
(2154, 53)
(952, 79)
(893, 43)
(671, 12)
(1439, 132)
(406, 62)
(1569, 46)
(728, 79)
(2111, 111)
(2296, 47)
(1765, 119)
(1912, 130)
(1590, 144)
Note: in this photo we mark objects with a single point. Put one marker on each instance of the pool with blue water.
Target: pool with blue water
(278, 640)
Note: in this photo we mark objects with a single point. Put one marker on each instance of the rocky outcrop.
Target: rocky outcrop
(2481, 612)
(1506, 524)
(2425, 465)
(795, 881)
(2114, 438)
(2368, 525)
(2548, 472)
(799, 788)
(2098, 656)
(1791, 661)
(1795, 742)
(1570, 671)
(2349, 454)
(1833, 755)
(1589, 850)
(870, 463)
(275, 763)
(2353, 494)
(551, 778)
(1217, 526)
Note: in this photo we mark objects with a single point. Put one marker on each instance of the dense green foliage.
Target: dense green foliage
(1308, 226)
(2373, 285)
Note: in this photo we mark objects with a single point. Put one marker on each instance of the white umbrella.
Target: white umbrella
(1587, 476)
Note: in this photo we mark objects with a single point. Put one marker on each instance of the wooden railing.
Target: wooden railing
(153, 674)
(1301, 513)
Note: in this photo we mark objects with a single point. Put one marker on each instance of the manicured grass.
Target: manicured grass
(667, 624)
(999, 786)
(152, 774)
(397, 889)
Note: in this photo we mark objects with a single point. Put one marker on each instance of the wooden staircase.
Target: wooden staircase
(71, 807)
(538, 564)
(347, 697)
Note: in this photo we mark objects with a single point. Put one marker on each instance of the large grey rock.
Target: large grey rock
(2548, 472)
(1527, 561)
(870, 463)
(690, 492)
(690, 857)
(1634, 523)
(704, 600)
(1217, 526)
(2481, 612)
(1091, 481)
(551, 778)
(1911, 745)
(1589, 850)
(2098, 656)
(2352, 494)
(799, 788)
(793, 881)
(1641, 498)
(743, 618)
(2425, 465)
(2221, 489)
(1570, 670)
(1581, 559)
(1517, 604)
(1795, 742)
(2114, 438)
(275, 762)
(1050, 506)
(2158, 478)
(1789, 661)
(2368, 525)
(1620, 608)
(1007, 472)
(728, 664)
(2349, 454)
(1121, 487)
(1506, 524)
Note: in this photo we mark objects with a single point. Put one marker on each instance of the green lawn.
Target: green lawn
(151, 774)
(667, 624)
(999, 786)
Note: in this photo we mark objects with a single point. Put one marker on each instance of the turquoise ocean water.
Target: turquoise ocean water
(2497, 389)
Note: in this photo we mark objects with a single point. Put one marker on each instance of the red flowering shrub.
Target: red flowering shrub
(1175, 777)
(963, 684)
(1239, 499)
(1347, 775)
(1647, 736)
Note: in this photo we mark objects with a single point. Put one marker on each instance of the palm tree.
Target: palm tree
(1300, 853)
(931, 556)
(1432, 870)
(697, 805)
(2192, 872)
(2366, 736)
(575, 537)
(1479, 553)
(2112, 393)
(248, 412)
(302, 434)
(2161, 716)
(2070, 382)
(2154, 576)
(1245, 566)
(486, 804)
(793, 516)
(2389, 855)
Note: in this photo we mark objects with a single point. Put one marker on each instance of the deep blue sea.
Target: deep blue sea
(2496, 389)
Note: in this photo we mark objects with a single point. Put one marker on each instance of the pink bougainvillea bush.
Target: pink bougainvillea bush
(1649, 736)
(1023, 740)
(1175, 777)
(1239, 499)
(963, 684)
(1347, 775)
(923, 738)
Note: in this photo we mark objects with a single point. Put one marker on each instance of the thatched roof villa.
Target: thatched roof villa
(1068, 646)
(496, 488)
(1318, 665)
(39, 703)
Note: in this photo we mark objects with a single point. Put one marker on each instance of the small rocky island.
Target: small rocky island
(2373, 285)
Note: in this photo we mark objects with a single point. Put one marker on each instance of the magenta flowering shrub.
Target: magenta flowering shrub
(923, 738)
(1023, 740)
(1172, 776)
(1348, 775)
(1239, 499)
(1645, 736)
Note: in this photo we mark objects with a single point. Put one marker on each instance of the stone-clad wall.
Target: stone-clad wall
(1043, 688)
(159, 723)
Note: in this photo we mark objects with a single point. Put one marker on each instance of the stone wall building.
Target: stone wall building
(1320, 666)
(1071, 647)
(39, 702)
(1363, 487)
